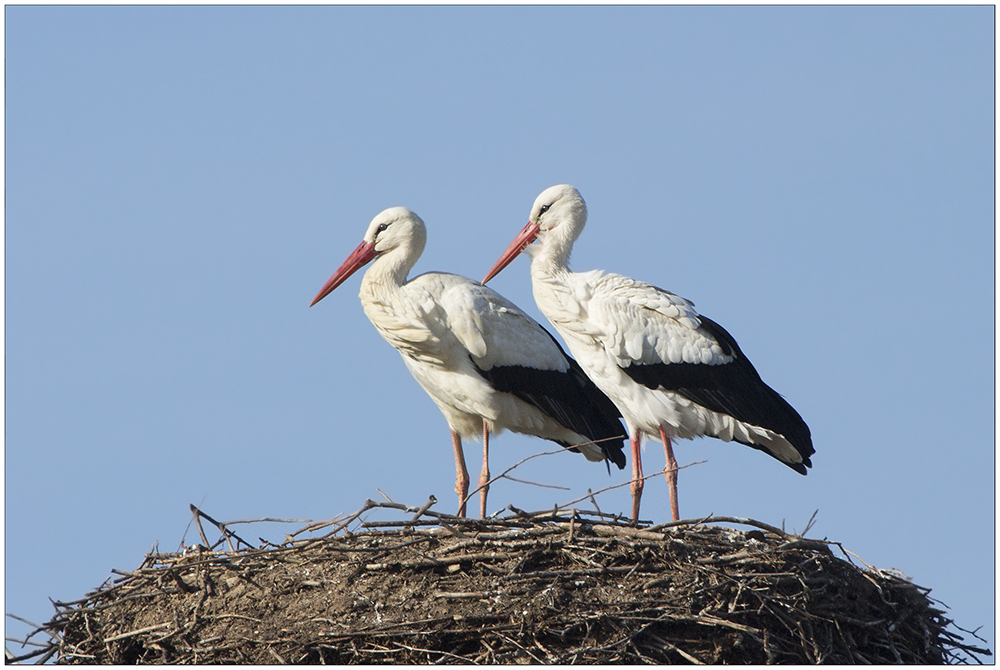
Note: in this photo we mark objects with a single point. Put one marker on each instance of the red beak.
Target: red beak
(520, 243)
(358, 259)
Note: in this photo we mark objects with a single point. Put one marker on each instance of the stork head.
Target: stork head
(396, 232)
(557, 219)
(559, 206)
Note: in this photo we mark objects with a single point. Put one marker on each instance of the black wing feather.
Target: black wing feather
(568, 397)
(732, 388)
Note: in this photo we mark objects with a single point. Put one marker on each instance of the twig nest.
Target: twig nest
(560, 590)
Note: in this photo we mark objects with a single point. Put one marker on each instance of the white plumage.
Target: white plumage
(672, 372)
(486, 364)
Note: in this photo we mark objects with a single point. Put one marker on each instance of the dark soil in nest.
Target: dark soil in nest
(556, 589)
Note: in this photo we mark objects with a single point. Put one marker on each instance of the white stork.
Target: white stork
(486, 364)
(672, 372)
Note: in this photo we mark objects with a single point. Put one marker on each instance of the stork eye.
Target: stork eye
(381, 228)
(544, 209)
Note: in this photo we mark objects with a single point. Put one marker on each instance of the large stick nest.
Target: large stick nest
(523, 589)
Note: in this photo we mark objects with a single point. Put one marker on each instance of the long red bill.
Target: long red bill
(520, 243)
(358, 259)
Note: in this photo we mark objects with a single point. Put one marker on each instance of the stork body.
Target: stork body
(486, 364)
(671, 372)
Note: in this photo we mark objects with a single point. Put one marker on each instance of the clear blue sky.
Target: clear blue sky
(181, 181)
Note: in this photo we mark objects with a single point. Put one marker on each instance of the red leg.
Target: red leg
(637, 481)
(484, 477)
(670, 472)
(461, 474)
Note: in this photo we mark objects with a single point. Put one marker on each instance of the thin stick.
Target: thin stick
(628, 483)
(221, 526)
(266, 519)
(743, 521)
(538, 484)
(201, 531)
(426, 506)
(140, 631)
(503, 475)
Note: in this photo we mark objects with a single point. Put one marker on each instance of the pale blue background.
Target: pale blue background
(180, 182)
